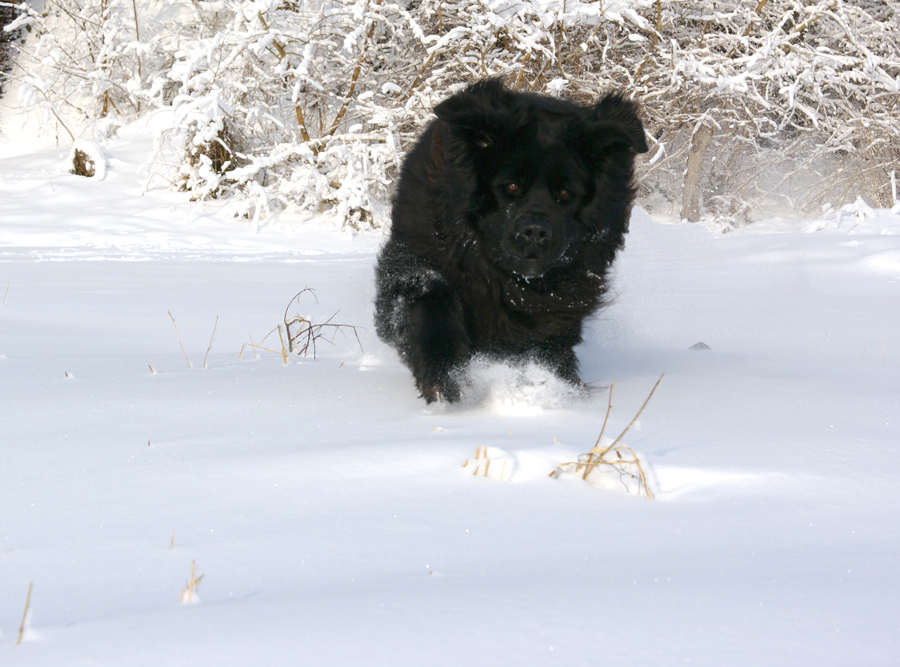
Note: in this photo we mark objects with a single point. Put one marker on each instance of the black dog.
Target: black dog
(509, 211)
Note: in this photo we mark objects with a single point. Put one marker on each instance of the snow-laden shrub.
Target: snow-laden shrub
(311, 104)
(801, 99)
(7, 38)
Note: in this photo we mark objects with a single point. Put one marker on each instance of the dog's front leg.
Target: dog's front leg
(438, 346)
(558, 354)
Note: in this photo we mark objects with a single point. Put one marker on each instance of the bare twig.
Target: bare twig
(758, 10)
(53, 111)
(7, 291)
(137, 37)
(354, 78)
(308, 333)
(297, 109)
(288, 326)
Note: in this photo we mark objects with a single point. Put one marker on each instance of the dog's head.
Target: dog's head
(544, 169)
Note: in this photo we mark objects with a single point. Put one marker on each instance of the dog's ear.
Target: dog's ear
(483, 111)
(614, 121)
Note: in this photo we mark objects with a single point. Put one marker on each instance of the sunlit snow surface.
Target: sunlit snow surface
(328, 508)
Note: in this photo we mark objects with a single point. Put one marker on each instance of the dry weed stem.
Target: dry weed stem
(24, 614)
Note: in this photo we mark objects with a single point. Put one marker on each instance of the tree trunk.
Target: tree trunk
(690, 196)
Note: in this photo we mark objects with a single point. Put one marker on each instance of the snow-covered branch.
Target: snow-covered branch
(313, 103)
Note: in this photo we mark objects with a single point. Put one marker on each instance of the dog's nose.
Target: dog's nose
(535, 231)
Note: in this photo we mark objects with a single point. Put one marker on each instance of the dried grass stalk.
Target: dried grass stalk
(302, 335)
(187, 594)
(622, 465)
(24, 615)
(631, 423)
(179, 339)
(611, 455)
(481, 456)
(83, 164)
(306, 334)
(211, 338)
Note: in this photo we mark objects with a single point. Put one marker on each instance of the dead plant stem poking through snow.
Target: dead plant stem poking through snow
(827, 337)
(179, 340)
(83, 164)
(615, 442)
(24, 615)
(599, 461)
(281, 338)
(211, 338)
(301, 333)
(188, 595)
(308, 333)
(259, 346)
(481, 464)
(606, 418)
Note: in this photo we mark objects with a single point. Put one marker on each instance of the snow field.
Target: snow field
(328, 508)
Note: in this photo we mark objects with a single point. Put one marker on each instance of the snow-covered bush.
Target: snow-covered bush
(7, 15)
(311, 103)
(800, 99)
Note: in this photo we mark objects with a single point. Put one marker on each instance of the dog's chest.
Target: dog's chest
(500, 325)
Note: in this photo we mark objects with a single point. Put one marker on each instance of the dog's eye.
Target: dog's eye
(563, 195)
(513, 188)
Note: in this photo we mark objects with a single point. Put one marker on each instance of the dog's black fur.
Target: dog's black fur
(509, 211)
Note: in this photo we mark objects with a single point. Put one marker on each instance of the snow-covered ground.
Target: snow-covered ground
(328, 508)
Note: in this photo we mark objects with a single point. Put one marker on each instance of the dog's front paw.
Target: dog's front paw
(444, 389)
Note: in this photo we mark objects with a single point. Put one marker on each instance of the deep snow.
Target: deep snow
(328, 508)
